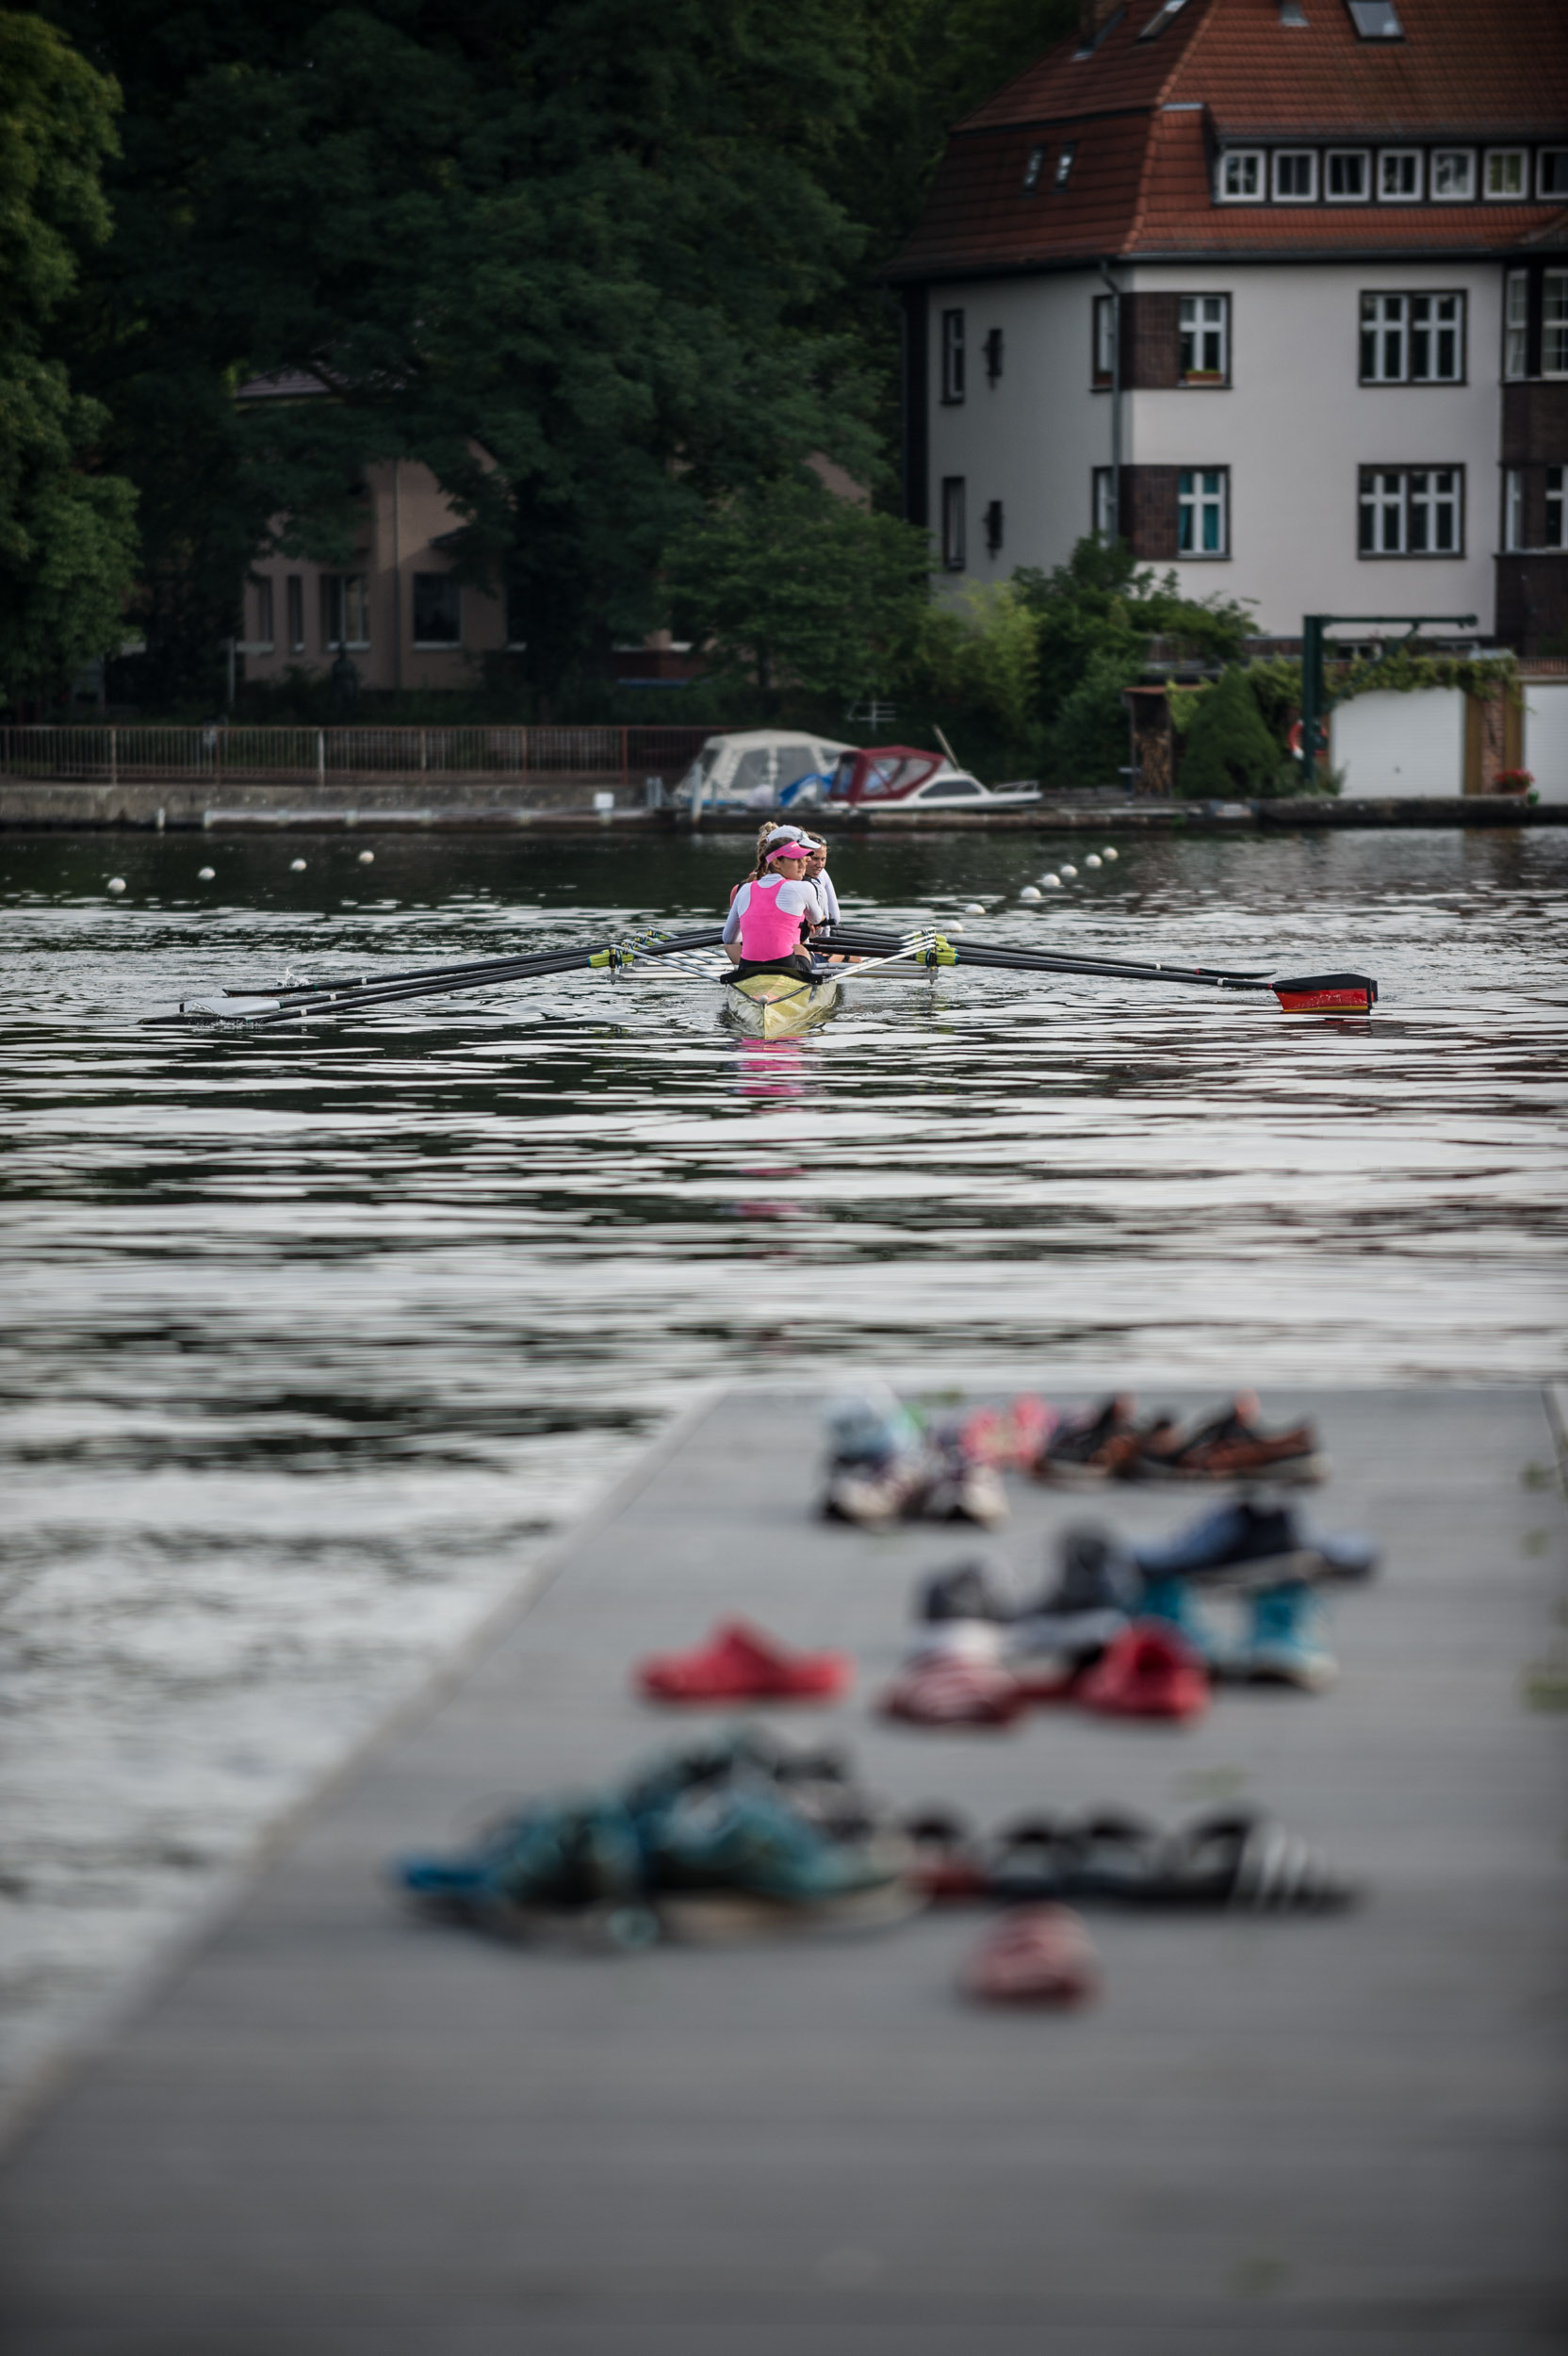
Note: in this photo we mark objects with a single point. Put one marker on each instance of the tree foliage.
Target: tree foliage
(1227, 749)
(1096, 617)
(65, 528)
(573, 258)
(790, 585)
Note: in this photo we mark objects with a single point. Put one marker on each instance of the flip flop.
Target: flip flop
(741, 1664)
(1245, 1863)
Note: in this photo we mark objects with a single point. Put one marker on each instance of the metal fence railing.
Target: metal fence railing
(149, 754)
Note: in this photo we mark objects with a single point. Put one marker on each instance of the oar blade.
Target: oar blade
(1327, 994)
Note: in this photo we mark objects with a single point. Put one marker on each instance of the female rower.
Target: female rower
(767, 916)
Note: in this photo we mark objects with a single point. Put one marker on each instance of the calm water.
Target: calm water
(310, 1337)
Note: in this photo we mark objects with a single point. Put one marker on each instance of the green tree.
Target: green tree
(1097, 616)
(572, 258)
(66, 538)
(976, 661)
(794, 587)
(1227, 748)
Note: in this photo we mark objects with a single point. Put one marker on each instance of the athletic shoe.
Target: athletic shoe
(928, 1487)
(1148, 1671)
(737, 1838)
(740, 1664)
(1254, 1543)
(1039, 1954)
(1172, 1602)
(967, 1592)
(945, 1865)
(1231, 1445)
(1286, 1642)
(1011, 1437)
(871, 1427)
(1090, 1446)
(1097, 1591)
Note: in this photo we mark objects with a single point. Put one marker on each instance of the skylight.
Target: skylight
(1375, 20)
(1092, 38)
(1161, 17)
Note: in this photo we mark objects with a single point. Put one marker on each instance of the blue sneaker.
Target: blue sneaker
(1172, 1601)
(1286, 1642)
(1253, 1544)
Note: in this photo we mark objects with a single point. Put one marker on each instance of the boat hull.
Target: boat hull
(780, 1006)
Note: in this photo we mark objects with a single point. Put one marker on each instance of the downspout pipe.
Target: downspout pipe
(1116, 399)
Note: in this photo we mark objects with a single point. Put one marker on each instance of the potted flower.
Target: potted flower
(1512, 781)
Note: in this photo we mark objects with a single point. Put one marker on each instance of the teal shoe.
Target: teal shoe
(1172, 1601)
(1286, 1642)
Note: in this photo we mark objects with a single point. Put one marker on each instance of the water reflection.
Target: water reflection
(310, 1335)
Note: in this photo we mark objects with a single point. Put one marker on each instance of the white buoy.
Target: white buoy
(1110, 852)
(1070, 871)
(206, 874)
(1051, 883)
(1093, 859)
(953, 928)
(117, 883)
(367, 859)
(974, 907)
(1029, 891)
(296, 867)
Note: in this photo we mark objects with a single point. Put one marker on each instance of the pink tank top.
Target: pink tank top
(767, 930)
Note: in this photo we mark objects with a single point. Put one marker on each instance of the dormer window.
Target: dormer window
(1064, 167)
(1034, 165)
(1350, 175)
(1400, 176)
(1507, 174)
(1551, 167)
(1375, 20)
(1241, 176)
(1453, 176)
(1295, 175)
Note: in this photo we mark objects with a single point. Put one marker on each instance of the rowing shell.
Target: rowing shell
(778, 1005)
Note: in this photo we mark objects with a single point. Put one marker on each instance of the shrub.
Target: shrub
(1227, 749)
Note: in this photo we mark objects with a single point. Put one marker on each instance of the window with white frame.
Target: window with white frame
(954, 529)
(1411, 338)
(1104, 337)
(1295, 175)
(1551, 171)
(1453, 176)
(1553, 323)
(952, 357)
(345, 610)
(1411, 511)
(1400, 176)
(1513, 509)
(1102, 507)
(1349, 175)
(1516, 324)
(1241, 176)
(1204, 355)
(437, 610)
(1203, 511)
(1507, 173)
(1553, 536)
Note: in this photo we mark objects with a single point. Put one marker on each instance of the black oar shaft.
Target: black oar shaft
(508, 967)
(482, 977)
(856, 943)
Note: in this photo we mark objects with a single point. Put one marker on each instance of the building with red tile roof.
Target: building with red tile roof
(1279, 289)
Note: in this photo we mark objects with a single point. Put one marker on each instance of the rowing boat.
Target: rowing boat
(781, 1005)
(770, 1005)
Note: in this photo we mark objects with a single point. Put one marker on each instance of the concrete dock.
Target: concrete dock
(337, 2129)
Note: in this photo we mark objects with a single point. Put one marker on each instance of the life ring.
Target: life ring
(1294, 739)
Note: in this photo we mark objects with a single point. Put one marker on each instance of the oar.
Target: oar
(437, 981)
(1316, 993)
(289, 992)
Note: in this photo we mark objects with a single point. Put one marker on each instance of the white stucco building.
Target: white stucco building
(1277, 288)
